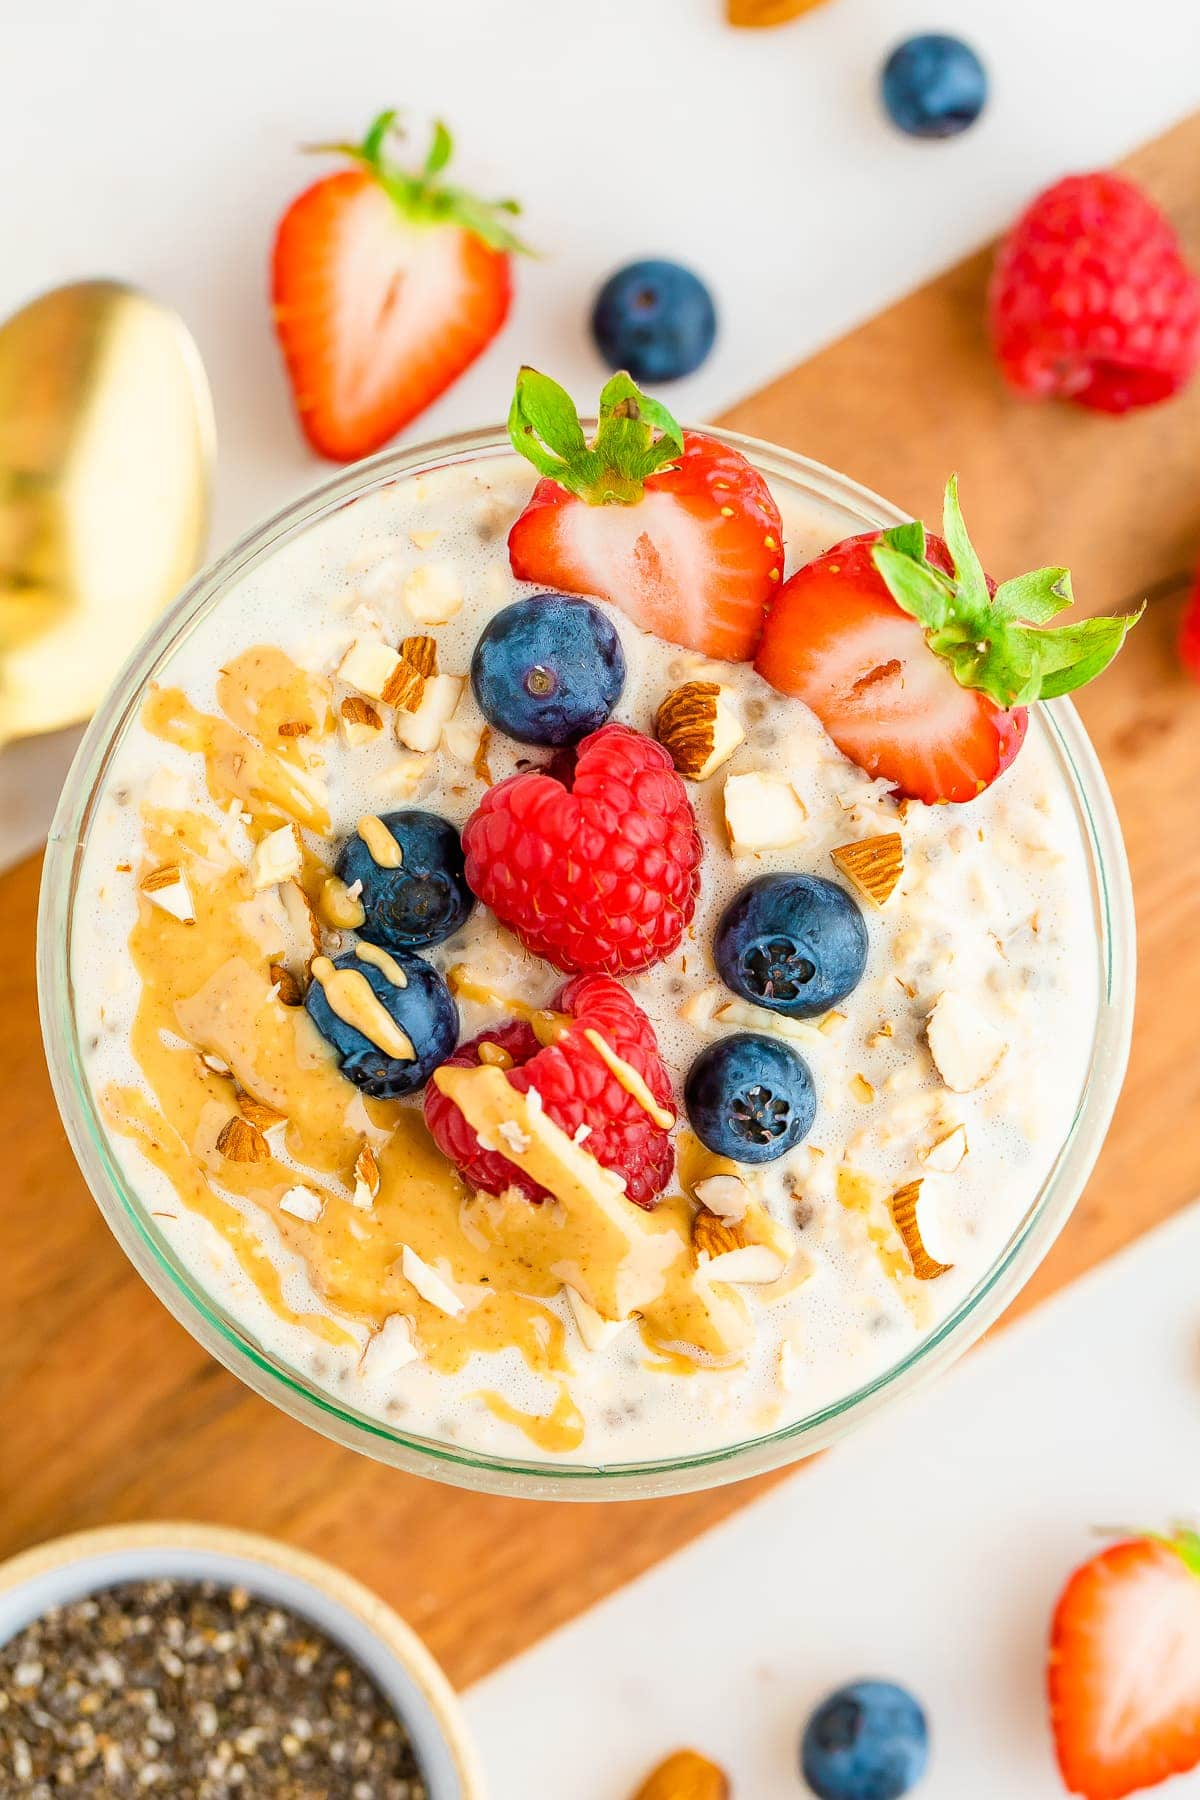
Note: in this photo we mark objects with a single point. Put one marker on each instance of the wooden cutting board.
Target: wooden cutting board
(109, 1411)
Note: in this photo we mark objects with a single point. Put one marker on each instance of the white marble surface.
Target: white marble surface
(157, 143)
(928, 1549)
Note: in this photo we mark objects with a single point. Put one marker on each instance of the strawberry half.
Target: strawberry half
(671, 526)
(386, 286)
(1124, 1668)
(919, 667)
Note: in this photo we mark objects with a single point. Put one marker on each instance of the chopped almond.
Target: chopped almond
(966, 1048)
(903, 1206)
(873, 864)
(277, 857)
(763, 812)
(242, 1142)
(167, 889)
(698, 728)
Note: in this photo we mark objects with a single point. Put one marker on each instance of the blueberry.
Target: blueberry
(422, 1008)
(750, 1097)
(426, 897)
(867, 1741)
(655, 319)
(548, 670)
(796, 944)
(934, 86)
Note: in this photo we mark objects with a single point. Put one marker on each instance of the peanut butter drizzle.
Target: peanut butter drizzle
(354, 1000)
(867, 1198)
(382, 847)
(262, 690)
(208, 989)
(634, 1083)
(381, 959)
(273, 786)
(560, 1429)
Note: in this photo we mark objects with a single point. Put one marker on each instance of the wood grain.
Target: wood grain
(109, 1411)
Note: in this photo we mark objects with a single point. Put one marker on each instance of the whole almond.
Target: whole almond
(685, 1776)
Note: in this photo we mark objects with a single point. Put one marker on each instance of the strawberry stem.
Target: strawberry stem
(998, 643)
(420, 196)
(636, 437)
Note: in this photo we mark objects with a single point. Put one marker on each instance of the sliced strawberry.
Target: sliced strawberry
(1124, 1668)
(386, 286)
(677, 530)
(917, 665)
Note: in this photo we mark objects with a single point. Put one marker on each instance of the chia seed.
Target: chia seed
(198, 1692)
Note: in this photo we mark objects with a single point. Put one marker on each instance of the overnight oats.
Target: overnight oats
(582, 966)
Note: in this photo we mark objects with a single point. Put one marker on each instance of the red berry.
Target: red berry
(1091, 299)
(676, 529)
(1189, 632)
(577, 1089)
(1124, 1668)
(386, 286)
(837, 640)
(595, 867)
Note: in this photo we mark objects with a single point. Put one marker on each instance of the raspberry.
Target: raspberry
(577, 1088)
(1189, 632)
(594, 867)
(1091, 300)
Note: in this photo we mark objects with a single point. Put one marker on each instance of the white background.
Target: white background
(156, 140)
(927, 1550)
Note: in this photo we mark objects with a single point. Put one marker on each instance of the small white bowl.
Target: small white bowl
(67, 1568)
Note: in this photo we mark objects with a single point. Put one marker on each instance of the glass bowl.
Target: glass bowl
(850, 509)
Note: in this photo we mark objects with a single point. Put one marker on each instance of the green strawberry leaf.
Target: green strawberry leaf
(1001, 644)
(421, 197)
(635, 437)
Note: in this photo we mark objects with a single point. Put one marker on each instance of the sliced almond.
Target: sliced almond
(462, 741)
(873, 864)
(167, 889)
(714, 1236)
(429, 1284)
(290, 991)
(482, 767)
(301, 919)
(966, 1048)
(406, 775)
(760, 1018)
(259, 1114)
(418, 663)
(420, 727)
(217, 1064)
(948, 1152)
(725, 1196)
(763, 812)
(432, 593)
(242, 1142)
(302, 1203)
(277, 857)
(698, 728)
(596, 1331)
(752, 1264)
(368, 665)
(903, 1205)
(862, 1090)
(361, 723)
(685, 1776)
(294, 728)
(366, 1179)
(389, 1349)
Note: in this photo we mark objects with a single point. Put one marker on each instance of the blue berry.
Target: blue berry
(796, 944)
(426, 897)
(422, 1008)
(934, 86)
(867, 1741)
(655, 319)
(750, 1097)
(548, 670)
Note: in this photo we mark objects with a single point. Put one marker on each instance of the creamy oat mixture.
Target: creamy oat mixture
(377, 1275)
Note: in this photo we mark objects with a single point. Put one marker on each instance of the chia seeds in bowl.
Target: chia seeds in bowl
(196, 1690)
(209, 1665)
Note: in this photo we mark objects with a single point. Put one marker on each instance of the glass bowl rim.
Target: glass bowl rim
(283, 1387)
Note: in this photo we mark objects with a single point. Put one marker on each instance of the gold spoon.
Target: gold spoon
(107, 446)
